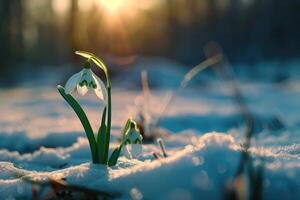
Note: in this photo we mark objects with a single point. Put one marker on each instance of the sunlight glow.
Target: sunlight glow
(61, 6)
(112, 6)
(85, 5)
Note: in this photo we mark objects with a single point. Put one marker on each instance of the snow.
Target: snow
(191, 171)
(41, 138)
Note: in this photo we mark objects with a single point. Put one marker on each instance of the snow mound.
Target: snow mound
(191, 170)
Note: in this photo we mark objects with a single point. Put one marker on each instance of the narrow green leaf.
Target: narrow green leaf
(83, 119)
(100, 137)
(115, 155)
(127, 126)
(103, 120)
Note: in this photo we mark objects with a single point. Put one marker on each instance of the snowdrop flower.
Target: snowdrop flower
(85, 80)
(132, 142)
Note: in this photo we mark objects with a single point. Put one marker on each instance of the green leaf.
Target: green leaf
(101, 137)
(127, 126)
(83, 119)
(115, 155)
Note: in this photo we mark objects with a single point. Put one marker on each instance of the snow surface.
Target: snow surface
(41, 138)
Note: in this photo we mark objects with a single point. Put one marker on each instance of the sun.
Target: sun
(112, 6)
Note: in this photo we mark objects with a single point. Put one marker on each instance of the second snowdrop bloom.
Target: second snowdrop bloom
(86, 80)
(132, 142)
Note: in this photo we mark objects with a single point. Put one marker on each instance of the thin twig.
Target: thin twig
(161, 144)
(156, 156)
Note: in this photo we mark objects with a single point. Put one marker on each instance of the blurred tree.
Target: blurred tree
(10, 30)
(49, 31)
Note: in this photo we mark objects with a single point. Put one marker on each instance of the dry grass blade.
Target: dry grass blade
(144, 116)
(147, 125)
(184, 83)
(246, 169)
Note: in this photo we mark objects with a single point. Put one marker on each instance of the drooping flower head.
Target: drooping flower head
(132, 141)
(86, 80)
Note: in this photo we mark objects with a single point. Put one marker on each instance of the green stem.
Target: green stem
(107, 132)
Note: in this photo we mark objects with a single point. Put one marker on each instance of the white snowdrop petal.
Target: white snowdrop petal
(133, 135)
(99, 94)
(101, 89)
(82, 90)
(89, 76)
(72, 82)
(136, 150)
(126, 152)
(132, 151)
